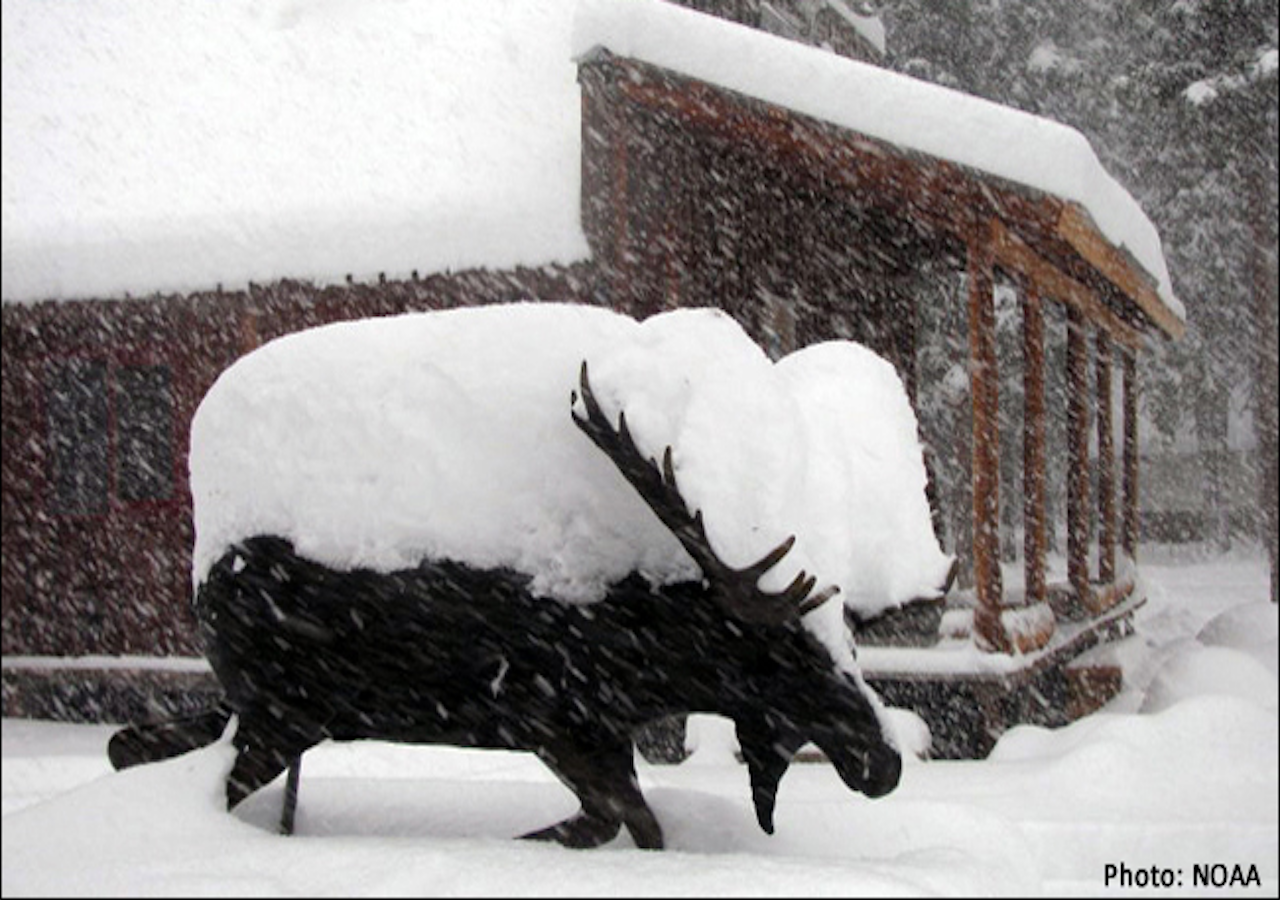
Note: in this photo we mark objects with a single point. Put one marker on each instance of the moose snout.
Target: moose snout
(874, 767)
(881, 769)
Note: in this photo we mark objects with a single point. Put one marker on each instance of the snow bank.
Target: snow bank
(381, 442)
(1232, 653)
(1244, 626)
(444, 825)
(1043, 815)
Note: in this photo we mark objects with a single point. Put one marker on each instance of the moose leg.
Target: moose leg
(603, 777)
(291, 795)
(263, 753)
(137, 744)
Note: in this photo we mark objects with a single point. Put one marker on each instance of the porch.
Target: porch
(806, 229)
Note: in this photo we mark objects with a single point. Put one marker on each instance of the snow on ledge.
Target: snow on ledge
(149, 663)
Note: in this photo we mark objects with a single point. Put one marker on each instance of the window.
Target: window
(105, 417)
(144, 430)
(77, 409)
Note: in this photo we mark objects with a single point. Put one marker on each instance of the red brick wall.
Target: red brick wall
(115, 579)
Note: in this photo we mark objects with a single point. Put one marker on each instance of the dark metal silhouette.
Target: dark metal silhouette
(446, 653)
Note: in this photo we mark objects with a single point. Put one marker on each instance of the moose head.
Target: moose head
(839, 719)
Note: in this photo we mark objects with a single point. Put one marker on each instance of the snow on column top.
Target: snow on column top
(383, 442)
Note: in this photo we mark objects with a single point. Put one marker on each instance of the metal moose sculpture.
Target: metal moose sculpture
(447, 653)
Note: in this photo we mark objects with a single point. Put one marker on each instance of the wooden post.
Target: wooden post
(989, 632)
(604, 199)
(1078, 456)
(1106, 463)
(619, 178)
(249, 336)
(1129, 528)
(1033, 449)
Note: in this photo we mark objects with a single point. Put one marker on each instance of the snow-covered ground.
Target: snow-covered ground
(1178, 772)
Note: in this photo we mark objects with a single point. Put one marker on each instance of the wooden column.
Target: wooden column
(250, 339)
(1078, 456)
(619, 181)
(1033, 449)
(1106, 463)
(989, 632)
(604, 162)
(1129, 526)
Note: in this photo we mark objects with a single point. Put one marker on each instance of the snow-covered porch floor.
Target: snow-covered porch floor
(959, 658)
(969, 697)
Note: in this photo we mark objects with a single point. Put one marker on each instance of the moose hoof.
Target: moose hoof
(645, 830)
(580, 832)
(127, 748)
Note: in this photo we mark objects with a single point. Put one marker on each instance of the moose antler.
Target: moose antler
(737, 590)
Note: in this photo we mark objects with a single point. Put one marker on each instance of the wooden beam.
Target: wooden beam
(1015, 254)
(1106, 462)
(1108, 595)
(1076, 227)
(1129, 527)
(989, 632)
(1033, 444)
(1078, 454)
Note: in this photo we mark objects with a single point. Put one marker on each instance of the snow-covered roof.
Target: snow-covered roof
(172, 148)
(914, 115)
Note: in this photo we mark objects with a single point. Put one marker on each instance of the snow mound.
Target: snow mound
(1116, 754)
(1243, 626)
(1251, 627)
(712, 740)
(1200, 670)
(383, 442)
(911, 732)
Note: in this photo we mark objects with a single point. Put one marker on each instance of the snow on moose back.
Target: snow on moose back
(380, 442)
